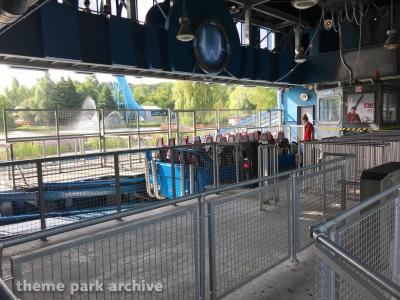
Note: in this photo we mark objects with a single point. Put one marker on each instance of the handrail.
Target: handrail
(319, 234)
(5, 292)
(380, 280)
(78, 225)
(324, 227)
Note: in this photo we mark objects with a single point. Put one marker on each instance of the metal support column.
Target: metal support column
(237, 162)
(12, 167)
(343, 186)
(215, 165)
(396, 256)
(294, 217)
(194, 124)
(200, 276)
(248, 17)
(117, 183)
(58, 139)
(138, 129)
(218, 119)
(173, 179)
(42, 201)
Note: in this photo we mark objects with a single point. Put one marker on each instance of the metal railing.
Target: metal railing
(206, 248)
(38, 133)
(358, 250)
(51, 192)
(366, 154)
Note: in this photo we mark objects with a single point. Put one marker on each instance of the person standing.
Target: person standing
(308, 130)
(352, 116)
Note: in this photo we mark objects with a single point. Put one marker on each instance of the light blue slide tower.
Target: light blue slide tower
(124, 97)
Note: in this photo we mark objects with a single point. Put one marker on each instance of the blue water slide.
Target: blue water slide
(129, 101)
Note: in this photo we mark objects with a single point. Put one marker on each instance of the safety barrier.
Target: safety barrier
(366, 154)
(39, 133)
(199, 250)
(51, 192)
(358, 251)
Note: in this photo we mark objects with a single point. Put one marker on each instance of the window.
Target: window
(267, 39)
(389, 106)
(329, 110)
(143, 7)
(241, 32)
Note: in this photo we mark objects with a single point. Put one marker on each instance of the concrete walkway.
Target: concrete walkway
(287, 281)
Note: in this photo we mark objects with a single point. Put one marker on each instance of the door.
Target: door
(305, 110)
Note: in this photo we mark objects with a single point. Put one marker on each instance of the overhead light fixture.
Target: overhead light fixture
(392, 41)
(304, 4)
(299, 56)
(185, 33)
(299, 50)
(328, 24)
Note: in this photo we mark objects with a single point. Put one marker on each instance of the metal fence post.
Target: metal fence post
(343, 186)
(218, 120)
(200, 278)
(237, 158)
(5, 126)
(211, 251)
(138, 128)
(58, 139)
(177, 126)
(11, 147)
(396, 263)
(117, 183)
(169, 116)
(42, 202)
(215, 165)
(173, 179)
(194, 124)
(294, 217)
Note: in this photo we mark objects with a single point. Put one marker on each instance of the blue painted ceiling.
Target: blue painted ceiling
(60, 36)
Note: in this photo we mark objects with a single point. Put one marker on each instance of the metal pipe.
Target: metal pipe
(293, 218)
(147, 166)
(5, 293)
(182, 181)
(42, 202)
(173, 178)
(192, 185)
(359, 266)
(117, 183)
(355, 209)
(155, 181)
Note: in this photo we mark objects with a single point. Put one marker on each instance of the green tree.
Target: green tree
(17, 93)
(66, 95)
(158, 94)
(88, 88)
(105, 98)
(252, 98)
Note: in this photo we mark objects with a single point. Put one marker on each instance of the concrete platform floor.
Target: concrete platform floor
(287, 281)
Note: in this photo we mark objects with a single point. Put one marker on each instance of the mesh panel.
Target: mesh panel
(320, 198)
(158, 251)
(247, 241)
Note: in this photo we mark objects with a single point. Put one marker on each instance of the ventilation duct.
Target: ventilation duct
(11, 10)
(304, 4)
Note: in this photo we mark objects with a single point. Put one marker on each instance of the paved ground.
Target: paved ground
(287, 281)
